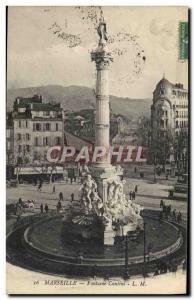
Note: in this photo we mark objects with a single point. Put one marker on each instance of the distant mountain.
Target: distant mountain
(76, 98)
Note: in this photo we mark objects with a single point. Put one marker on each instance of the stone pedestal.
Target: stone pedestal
(109, 235)
(102, 176)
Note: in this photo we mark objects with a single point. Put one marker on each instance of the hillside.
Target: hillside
(78, 97)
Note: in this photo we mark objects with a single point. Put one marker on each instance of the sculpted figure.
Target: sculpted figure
(97, 204)
(89, 186)
(102, 30)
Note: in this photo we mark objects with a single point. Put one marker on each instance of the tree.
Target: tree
(161, 146)
(144, 131)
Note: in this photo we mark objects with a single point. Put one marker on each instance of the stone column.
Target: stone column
(102, 58)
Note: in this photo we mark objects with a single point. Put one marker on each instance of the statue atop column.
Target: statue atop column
(102, 31)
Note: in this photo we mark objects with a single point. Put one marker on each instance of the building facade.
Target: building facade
(169, 116)
(36, 127)
(9, 140)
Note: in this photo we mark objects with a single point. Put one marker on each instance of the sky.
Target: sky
(144, 43)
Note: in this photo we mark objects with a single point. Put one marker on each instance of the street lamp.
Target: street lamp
(154, 166)
(130, 235)
(126, 275)
(144, 250)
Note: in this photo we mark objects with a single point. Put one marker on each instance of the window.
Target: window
(8, 145)
(38, 127)
(47, 127)
(19, 148)
(19, 137)
(26, 124)
(46, 113)
(28, 148)
(36, 141)
(20, 124)
(57, 126)
(8, 133)
(35, 155)
(27, 137)
(46, 141)
(58, 140)
(177, 124)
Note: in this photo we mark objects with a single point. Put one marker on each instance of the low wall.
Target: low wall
(100, 261)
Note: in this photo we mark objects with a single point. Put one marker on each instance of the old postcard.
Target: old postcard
(97, 135)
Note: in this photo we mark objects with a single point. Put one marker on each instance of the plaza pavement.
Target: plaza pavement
(149, 194)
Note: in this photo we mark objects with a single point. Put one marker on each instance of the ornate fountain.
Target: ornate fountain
(102, 199)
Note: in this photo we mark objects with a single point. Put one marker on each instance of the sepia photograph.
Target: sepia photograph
(97, 150)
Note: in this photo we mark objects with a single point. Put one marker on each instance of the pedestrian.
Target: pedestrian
(160, 215)
(130, 195)
(72, 197)
(53, 189)
(141, 174)
(41, 208)
(61, 196)
(156, 273)
(39, 186)
(161, 203)
(46, 208)
(94, 271)
(59, 206)
(136, 189)
(179, 217)
(184, 265)
(174, 268)
(18, 218)
(71, 180)
(174, 215)
(135, 170)
(169, 209)
(133, 195)
(20, 202)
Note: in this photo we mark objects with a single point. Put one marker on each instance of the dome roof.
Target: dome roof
(163, 87)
